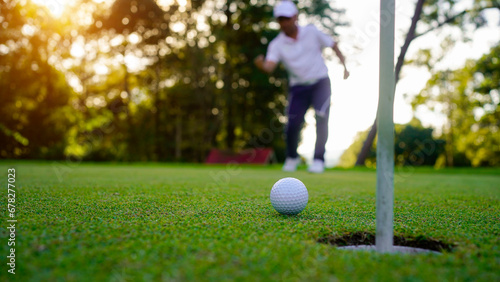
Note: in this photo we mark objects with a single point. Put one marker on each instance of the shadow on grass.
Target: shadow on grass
(293, 217)
(365, 238)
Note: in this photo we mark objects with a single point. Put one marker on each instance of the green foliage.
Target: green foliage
(414, 145)
(469, 98)
(151, 81)
(454, 14)
(437, 13)
(349, 156)
(34, 94)
(137, 222)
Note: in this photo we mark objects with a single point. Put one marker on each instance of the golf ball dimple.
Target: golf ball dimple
(289, 196)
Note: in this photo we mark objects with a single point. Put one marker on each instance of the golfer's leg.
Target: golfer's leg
(298, 104)
(321, 102)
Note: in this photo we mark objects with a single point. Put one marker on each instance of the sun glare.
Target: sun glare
(165, 3)
(56, 7)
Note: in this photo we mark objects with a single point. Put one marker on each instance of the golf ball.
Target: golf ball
(289, 196)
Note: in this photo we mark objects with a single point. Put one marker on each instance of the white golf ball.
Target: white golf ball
(289, 196)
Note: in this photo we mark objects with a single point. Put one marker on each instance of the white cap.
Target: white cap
(285, 9)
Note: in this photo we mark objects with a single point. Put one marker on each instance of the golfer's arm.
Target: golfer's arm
(265, 65)
(338, 53)
(268, 66)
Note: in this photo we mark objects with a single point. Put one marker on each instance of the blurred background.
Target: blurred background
(168, 80)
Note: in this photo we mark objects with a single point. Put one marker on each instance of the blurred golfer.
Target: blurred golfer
(299, 49)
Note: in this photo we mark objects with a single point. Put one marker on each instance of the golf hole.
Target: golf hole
(366, 241)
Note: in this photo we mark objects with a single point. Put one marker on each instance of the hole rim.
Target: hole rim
(363, 238)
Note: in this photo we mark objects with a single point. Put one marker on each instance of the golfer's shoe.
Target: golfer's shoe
(317, 166)
(291, 164)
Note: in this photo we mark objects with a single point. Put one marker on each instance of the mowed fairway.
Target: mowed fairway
(130, 222)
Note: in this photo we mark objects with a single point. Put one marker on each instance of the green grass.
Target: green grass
(129, 222)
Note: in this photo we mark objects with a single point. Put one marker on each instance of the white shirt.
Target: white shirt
(302, 57)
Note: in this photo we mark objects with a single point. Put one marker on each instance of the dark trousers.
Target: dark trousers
(300, 98)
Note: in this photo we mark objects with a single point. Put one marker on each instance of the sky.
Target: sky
(354, 101)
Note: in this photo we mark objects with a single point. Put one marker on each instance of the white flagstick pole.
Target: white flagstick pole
(385, 144)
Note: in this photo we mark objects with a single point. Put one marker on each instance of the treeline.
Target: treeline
(145, 80)
(469, 100)
(141, 80)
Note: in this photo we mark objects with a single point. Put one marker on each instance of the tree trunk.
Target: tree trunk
(365, 150)
(367, 145)
(132, 141)
(227, 73)
(449, 147)
(156, 114)
(178, 137)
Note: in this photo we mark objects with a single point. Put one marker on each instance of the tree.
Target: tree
(469, 98)
(433, 14)
(414, 145)
(215, 96)
(34, 95)
(482, 145)
(150, 80)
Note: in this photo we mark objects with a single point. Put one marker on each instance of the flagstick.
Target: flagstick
(385, 143)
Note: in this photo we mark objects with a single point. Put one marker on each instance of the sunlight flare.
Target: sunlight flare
(56, 7)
